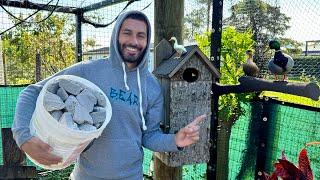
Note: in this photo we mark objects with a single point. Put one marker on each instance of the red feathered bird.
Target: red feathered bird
(288, 171)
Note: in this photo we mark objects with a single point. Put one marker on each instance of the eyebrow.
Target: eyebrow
(126, 29)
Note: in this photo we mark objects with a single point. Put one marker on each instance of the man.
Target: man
(137, 109)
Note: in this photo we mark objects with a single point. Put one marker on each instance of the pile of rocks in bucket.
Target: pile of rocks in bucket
(75, 105)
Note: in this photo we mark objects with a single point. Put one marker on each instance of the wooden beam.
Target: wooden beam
(252, 84)
(164, 172)
(168, 22)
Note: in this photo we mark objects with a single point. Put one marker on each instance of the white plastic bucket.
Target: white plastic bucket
(66, 143)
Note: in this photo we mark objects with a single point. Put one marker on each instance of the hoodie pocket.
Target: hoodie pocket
(112, 159)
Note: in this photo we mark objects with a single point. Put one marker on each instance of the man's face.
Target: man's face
(132, 39)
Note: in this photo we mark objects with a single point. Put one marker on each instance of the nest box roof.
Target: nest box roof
(168, 67)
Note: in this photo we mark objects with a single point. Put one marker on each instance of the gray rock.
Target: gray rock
(98, 116)
(98, 125)
(70, 86)
(62, 94)
(53, 87)
(56, 114)
(98, 108)
(71, 103)
(101, 100)
(67, 121)
(87, 127)
(52, 102)
(81, 115)
(87, 99)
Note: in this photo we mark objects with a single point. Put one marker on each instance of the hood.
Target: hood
(118, 63)
(115, 56)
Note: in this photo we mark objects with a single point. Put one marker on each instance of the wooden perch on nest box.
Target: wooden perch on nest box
(252, 84)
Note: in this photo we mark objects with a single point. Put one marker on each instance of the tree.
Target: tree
(194, 23)
(266, 22)
(234, 44)
(51, 38)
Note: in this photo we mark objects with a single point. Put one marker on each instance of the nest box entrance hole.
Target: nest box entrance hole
(190, 75)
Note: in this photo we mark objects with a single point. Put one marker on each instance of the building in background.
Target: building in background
(312, 48)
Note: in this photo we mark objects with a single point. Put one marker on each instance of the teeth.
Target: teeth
(131, 49)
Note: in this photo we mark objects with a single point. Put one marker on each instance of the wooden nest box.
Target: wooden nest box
(187, 86)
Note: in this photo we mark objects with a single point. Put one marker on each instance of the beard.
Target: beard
(128, 57)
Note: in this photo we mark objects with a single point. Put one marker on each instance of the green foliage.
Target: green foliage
(204, 42)
(51, 38)
(58, 174)
(234, 45)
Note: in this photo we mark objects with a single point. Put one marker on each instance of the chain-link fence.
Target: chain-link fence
(40, 37)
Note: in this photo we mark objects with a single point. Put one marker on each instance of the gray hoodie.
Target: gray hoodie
(136, 99)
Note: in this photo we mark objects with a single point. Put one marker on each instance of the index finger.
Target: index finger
(198, 119)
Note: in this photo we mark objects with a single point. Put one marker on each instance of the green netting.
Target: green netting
(294, 128)
(8, 99)
(238, 142)
(196, 171)
(289, 129)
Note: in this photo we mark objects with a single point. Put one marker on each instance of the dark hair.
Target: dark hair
(139, 17)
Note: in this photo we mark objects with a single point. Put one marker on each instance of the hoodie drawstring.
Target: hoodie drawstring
(144, 127)
(125, 76)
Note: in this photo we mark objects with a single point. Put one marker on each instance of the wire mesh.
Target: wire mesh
(51, 36)
(8, 99)
(290, 128)
(54, 40)
(294, 128)
(45, 43)
(291, 22)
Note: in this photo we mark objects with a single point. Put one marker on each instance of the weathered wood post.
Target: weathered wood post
(38, 67)
(168, 21)
(2, 65)
(14, 159)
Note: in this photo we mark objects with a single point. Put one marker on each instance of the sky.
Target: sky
(304, 23)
